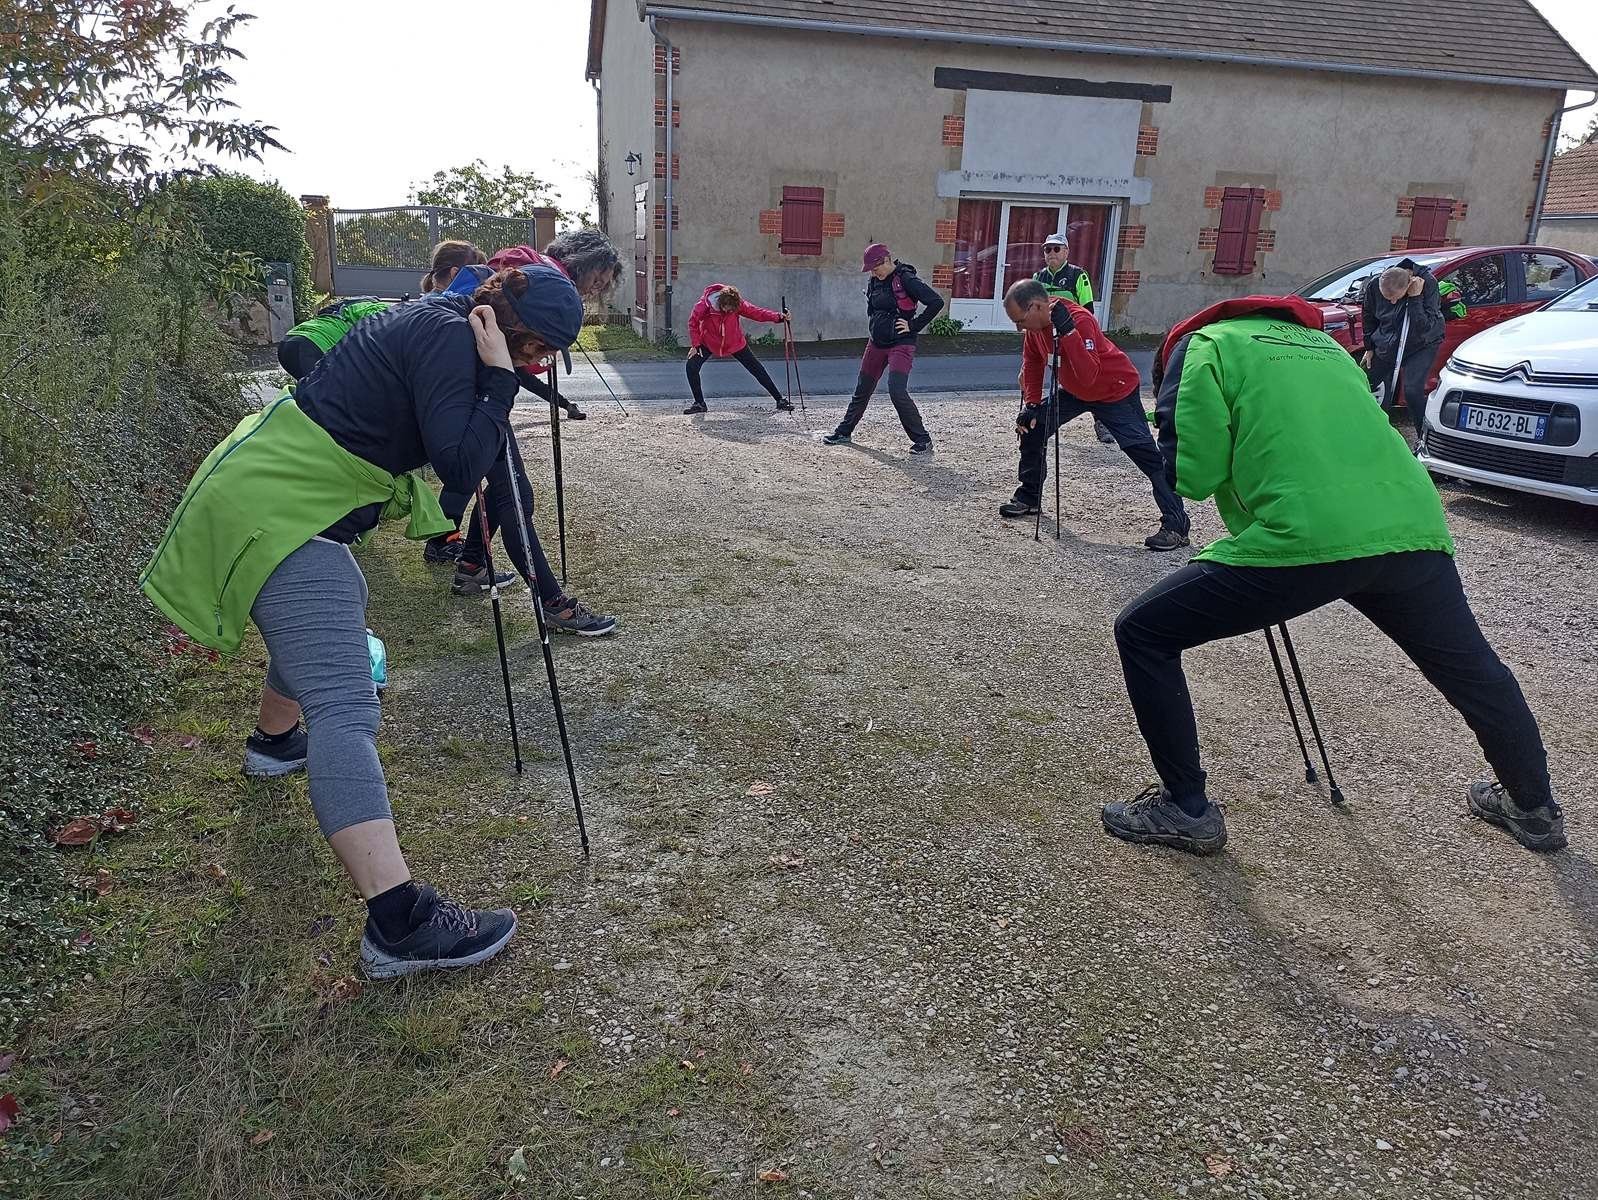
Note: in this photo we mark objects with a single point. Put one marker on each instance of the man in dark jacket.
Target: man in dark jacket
(893, 297)
(1403, 314)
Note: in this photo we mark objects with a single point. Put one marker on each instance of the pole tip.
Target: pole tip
(1309, 775)
(1337, 796)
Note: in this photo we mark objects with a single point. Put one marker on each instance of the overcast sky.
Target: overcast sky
(370, 96)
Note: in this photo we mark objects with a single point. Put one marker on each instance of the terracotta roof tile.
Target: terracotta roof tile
(1573, 182)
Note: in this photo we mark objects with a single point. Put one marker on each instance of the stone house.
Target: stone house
(1570, 209)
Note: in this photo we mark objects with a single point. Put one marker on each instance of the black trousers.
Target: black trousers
(528, 560)
(1412, 376)
(1127, 425)
(1415, 598)
(751, 364)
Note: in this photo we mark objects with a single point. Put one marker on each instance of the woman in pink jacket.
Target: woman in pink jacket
(715, 331)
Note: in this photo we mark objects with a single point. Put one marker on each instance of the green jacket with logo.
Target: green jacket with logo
(1276, 421)
(333, 322)
(274, 483)
(1069, 281)
(1453, 300)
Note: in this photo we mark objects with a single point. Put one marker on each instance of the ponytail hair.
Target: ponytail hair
(447, 257)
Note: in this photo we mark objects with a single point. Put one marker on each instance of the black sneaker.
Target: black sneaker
(575, 413)
(921, 447)
(270, 759)
(1166, 539)
(443, 935)
(784, 404)
(694, 409)
(1541, 829)
(473, 581)
(838, 439)
(1103, 432)
(1152, 817)
(443, 551)
(1017, 508)
(569, 615)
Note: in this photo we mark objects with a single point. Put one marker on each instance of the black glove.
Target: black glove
(1064, 322)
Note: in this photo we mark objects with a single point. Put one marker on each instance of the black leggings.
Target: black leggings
(752, 364)
(1415, 598)
(502, 519)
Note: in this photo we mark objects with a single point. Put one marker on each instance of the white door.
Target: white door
(1001, 241)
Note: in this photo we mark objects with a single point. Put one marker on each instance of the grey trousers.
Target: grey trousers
(312, 615)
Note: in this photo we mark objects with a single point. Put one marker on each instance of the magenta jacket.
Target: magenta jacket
(723, 333)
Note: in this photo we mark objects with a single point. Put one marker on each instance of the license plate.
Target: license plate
(1528, 427)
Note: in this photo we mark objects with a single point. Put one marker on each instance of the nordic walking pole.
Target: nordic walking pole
(560, 488)
(1292, 713)
(1056, 374)
(798, 382)
(499, 626)
(606, 382)
(549, 658)
(787, 350)
(1391, 398)
(1054, 382)
(1309, 711)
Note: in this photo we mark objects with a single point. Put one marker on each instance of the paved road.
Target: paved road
(665, 381)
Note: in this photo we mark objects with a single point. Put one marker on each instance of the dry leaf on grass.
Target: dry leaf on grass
(10, 1110)
(262, 1138)
(688, 1066)
(217, 872)
(7, 1061)
(89, 750)
(100, 883)
(335, 989)
(674, 1112)
(788, 862)
(143, 734)
(773, 1176)
(189, 741)
(1218, 1165)
(761, 788)
(554, 1071)
(79, 831)
(117, 820)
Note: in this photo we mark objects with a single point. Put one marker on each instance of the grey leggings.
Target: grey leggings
(312, 615)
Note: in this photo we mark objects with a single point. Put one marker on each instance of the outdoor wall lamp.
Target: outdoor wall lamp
(634, 160)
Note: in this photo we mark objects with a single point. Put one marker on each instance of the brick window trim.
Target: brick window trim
(1125, 281)
(660, 60)
(1148, 140)
(954, 131)
(1132, 237)
(943, 276)
(660, 165)
(660, 267)
(831, 224)
(945, 233)
(660, 216)
(771, 222)
(660, 114)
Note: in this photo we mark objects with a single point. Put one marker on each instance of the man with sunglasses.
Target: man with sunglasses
(1061, 277)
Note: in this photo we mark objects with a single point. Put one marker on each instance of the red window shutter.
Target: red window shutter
(1241, 209)
(1428, 224)
(801, 220)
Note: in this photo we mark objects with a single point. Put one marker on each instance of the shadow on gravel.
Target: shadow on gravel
(1523, 513)
(749, 429)
(922, 470)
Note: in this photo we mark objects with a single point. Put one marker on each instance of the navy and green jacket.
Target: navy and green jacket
(1070, 282)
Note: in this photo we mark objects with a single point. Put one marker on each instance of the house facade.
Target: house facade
(767, 142)
(1570, 209)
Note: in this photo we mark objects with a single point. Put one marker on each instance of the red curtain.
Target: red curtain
(1023, 251)
(1088, 225)
(976, 249)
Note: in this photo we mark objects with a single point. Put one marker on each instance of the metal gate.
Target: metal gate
(384, 252)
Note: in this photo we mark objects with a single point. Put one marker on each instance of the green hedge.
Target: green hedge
(237, 213)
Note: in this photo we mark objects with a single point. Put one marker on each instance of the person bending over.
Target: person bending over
(1323, 501)
(715, 330)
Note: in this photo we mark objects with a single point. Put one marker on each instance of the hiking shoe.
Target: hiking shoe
(575, 413)
(443, 935)
(694, 409)
(921, 447)
(784, 404)
(444, 550)
(1152, 817)
(1018, 508)
(473, 581)
(269, 760)
(1166, 539)
(838, 439)
(1541, 829)
(569, 615)
(1103, 432)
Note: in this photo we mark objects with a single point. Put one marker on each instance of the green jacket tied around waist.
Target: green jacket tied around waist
(273, 484)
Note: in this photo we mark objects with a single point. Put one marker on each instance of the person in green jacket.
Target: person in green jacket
(1061, 277)
(1322, 501)
(304, 346)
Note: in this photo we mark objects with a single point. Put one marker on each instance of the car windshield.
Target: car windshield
(1342, 285)
(1581, 298)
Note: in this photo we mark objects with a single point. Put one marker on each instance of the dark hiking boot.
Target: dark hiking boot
(1166, 539)
(838, 439)
(921, 447)
(1102, 431)
(1541, 829)
(1153, 818)
(1017, 507)
(473, 581)
(694, 409)
(575, 413)
(443, 935)
(269, 758)
(784, 404)
(569, 615)
(443, 551)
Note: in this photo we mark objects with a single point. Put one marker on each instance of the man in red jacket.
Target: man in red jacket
(1095, 376)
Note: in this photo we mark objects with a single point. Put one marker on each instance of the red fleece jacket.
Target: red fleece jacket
(721, 332)
(1092, 368)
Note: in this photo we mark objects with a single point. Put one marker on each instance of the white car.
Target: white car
(1516, 406)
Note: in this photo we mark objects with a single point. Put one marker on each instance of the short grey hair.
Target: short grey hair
(1024, 292)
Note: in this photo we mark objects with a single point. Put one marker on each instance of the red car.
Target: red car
(1495, 282)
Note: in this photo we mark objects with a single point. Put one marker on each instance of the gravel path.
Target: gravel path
(843, 767)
